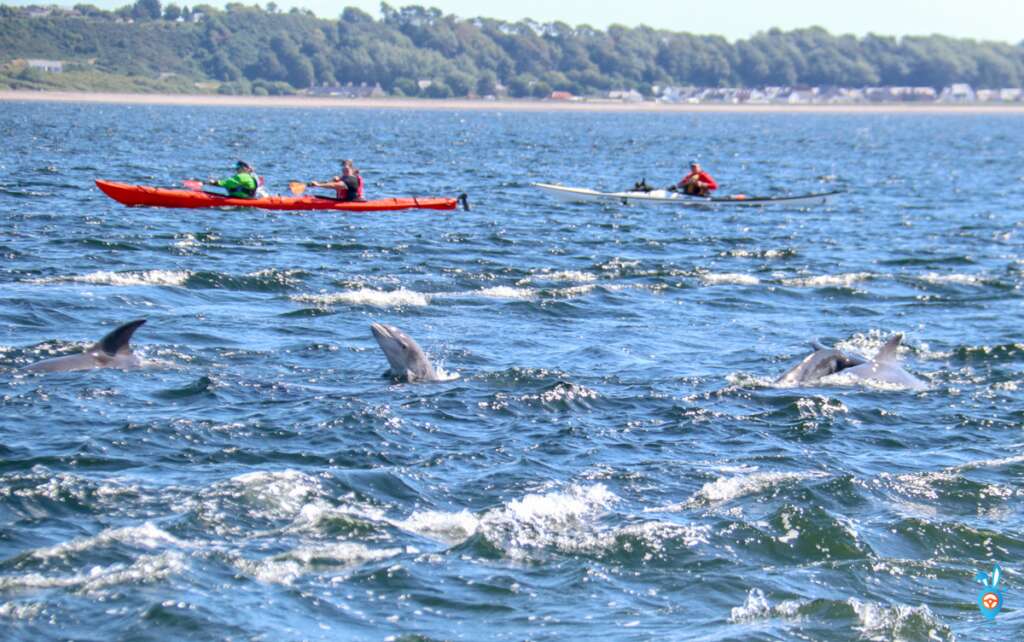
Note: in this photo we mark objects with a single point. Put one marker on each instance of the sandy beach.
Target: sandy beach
(309, 102)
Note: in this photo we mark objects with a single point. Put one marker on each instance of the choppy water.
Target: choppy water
(613, 461)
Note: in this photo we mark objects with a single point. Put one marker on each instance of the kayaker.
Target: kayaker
(244, 184)
(359, 177)
(346, 187)
(696, 183)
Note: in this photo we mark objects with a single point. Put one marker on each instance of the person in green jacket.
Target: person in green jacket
(244, 184)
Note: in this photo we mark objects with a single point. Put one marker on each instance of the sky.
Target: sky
(1001, 20)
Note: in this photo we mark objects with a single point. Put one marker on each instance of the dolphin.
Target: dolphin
(407, 360)
(112, 351)
(823, 362)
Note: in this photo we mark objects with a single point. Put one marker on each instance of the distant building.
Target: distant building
(1011, 94)
(630, 96)
(348, 91)
(958, 93)
(561, 95)
(50, 66)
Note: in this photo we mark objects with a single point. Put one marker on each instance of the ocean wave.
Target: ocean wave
(757, 608)
(504, 292)
(870, 620)
(561, 393)
(727, 489)
(368, 297)
(326, 558)
(574, 276)
(145, 569)
(898, 622)
(145, 536)
(957, 279)
(170, 278)
(734, 278)
(16, 611)
(566, 521)
(829, 280)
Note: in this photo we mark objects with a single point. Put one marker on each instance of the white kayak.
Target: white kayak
(577, 194)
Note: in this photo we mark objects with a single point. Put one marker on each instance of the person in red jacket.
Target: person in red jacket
(696, 183)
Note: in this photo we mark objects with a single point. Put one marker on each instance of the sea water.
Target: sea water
(613, 460)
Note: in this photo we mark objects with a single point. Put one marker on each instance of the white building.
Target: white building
(51, 66)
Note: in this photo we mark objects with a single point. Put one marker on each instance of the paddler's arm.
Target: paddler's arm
(335, 185)
(228, 183)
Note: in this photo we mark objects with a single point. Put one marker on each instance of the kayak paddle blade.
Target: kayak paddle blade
(296, 187)
(195, 186)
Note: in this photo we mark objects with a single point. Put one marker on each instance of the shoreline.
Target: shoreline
(465, 104)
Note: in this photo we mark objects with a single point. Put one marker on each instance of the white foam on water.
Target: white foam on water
(562, 393)
(573, 276)
(990, 463)
(829, 280)
(574, 291)
(760, 254)
(757, 608)
(727, 489)
(149, 277)
(146, 536)
(505, 292)
(444, 375)
(17, 611)
(147, 568)
(333, 558)
(283, 277)
(54, 486)
(451, 528)
(958, 279)
(727, 278)
(367, 296)
(884, 623)
(278, 494)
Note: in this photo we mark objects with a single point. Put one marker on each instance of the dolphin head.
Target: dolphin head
(822, 362)
(406, 358)
(112, 351)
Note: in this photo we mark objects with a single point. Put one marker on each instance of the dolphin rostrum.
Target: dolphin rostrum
(825, 361)
(406, 358)
(112, 351)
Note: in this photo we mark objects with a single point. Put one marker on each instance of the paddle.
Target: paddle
(297, 187)
(194, 185)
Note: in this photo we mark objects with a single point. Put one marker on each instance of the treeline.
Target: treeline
(260, 49)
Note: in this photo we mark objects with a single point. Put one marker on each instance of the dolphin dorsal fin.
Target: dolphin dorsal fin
(889, 350)
(818, 345)
(117, 340)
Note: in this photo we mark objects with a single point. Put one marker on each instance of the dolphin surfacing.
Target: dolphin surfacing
(406, 359)
(823, 362)
(112, 351)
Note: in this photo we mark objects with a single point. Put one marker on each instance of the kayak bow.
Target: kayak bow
(139, 195)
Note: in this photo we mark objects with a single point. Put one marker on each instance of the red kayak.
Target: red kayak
(138, 195)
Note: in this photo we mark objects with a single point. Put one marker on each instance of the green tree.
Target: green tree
(438, 89)
(146, 10)
(172, 12)
(487, 84)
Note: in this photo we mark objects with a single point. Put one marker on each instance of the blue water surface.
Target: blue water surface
(613, 460)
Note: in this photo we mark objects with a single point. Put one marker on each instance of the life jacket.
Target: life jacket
(359, 192)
